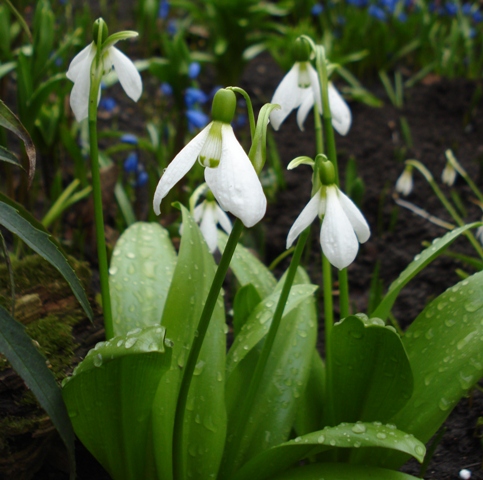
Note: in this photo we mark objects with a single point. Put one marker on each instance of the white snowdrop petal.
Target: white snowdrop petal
(178, 167)
(341, 114)
(285, 95)
(198, 212)
(307, 103)
(223, 220)
(127, 72)
(358, 222)
(81, 61)
(337, 237)
(208, 226)
(314, 82)
(306, 217)
(234, 183)
(79, 96)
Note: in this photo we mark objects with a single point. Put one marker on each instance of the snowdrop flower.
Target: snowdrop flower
(448, 176)
(208, 215)
(300, 88)
(229, 172)
(404, 184)
(343, 225)
(79, 70)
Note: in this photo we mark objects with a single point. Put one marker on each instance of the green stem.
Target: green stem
(235, 450)
(97, 196)
(343, 293)
(198, 339)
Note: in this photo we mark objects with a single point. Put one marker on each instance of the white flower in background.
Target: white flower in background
(79, 72)
(343, 225)
(229, 172)
(300, 88)
(404, 184)
(479, 234)
(208, 215)
(448, 176)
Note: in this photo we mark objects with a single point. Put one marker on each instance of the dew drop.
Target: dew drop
(381, 435)
(130, 342)
(359, 428)
(97, 360)
(321, 439)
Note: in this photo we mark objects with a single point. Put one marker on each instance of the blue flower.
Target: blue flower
(108, 104)
(129, 138)
(317, 9)
(451, 9)
(196, 119)
(194, 70)
(163, 10)
(377, 12)
(166, 89)
(477, 16)
(389, 5)
(466, 9)
(131, 163)
(142, 178)
(358, 3)
(172, 27)
(194, 95)
(402, 17)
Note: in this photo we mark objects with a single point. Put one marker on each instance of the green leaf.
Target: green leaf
(16, 219)
(246, 299)
(444, 345)
(347, 435)
(341, 471)
(141, 269)
(420, 261)
(9, 157)
(110, 397)
(9, 121)
(372, 378)
(26, 360)
(205, 418)
(248, 269)
(40, 95)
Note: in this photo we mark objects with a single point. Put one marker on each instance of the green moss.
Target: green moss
(11, 426)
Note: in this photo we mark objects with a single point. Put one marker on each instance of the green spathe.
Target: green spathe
(224, 105)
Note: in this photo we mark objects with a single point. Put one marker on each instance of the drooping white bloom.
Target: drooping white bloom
(300, 88)
(208, 215)
(448, 176)
(79, 72)
(404, 184)
(343, 225)
(229, 173)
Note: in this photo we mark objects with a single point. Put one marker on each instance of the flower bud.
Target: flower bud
(101, 36)
(301, 50)
(224, 105)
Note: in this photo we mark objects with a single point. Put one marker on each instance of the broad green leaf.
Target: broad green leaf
(41, 94)
(205, 425)
(246, 299)
(341, 471)
(26, 360)
(248, 269)
(420, 261)
(346, 435)
(445, 349)
(110, 397)
(140, 273)
(372, 378)
(9, 121)
(9, 157)
(16, 219)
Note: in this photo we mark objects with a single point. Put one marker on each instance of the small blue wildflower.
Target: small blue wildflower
(389, 5)
(358, 3)
(466, 9)
(194, 70)
(377, 12)
(194, 95)
(240, 120)
(166, 89)
(131, 163)
(317, 9)
(59, 61)
(163, 10)
(196, 119)
(477, 16)
(129, 138)
(172, 27)
(108, 104)
(142, 178)
(451, 9)
(402, 17)
(341, 20)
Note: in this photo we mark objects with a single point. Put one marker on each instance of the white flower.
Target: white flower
(343, 225)
(80, 69)
(208, 214)
(449, 174)
(479, 234)
(229, 173)
(300, 88)
(404, 184)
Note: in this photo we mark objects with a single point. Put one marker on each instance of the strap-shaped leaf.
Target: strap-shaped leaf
(372, 378)
(248, 269)
(16, 219)
(110, 396)
(9, 157)
(205, 418)
(26, 360)
(246, 299)
(141, 269)
(420, 261)
(346, 435)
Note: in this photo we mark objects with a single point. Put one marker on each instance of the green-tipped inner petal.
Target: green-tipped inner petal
(210, 154)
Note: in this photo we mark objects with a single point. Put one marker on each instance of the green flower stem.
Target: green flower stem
(235, 449)
(459, 168)
(198, 339)
(97, 196)
(446, 203)
(251, 115)
(343, 293)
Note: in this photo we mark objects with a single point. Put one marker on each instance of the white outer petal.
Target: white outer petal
(234, 183)
(79, 97)
(306, 217)
(179, 167)
(127, 72)
(223, 220)
(198, 212)
(337, 237)
(77, 63)
(208, 226)
(341, 114)
(287, 96)
(315, 84)
(306, 104)
(356, 218)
